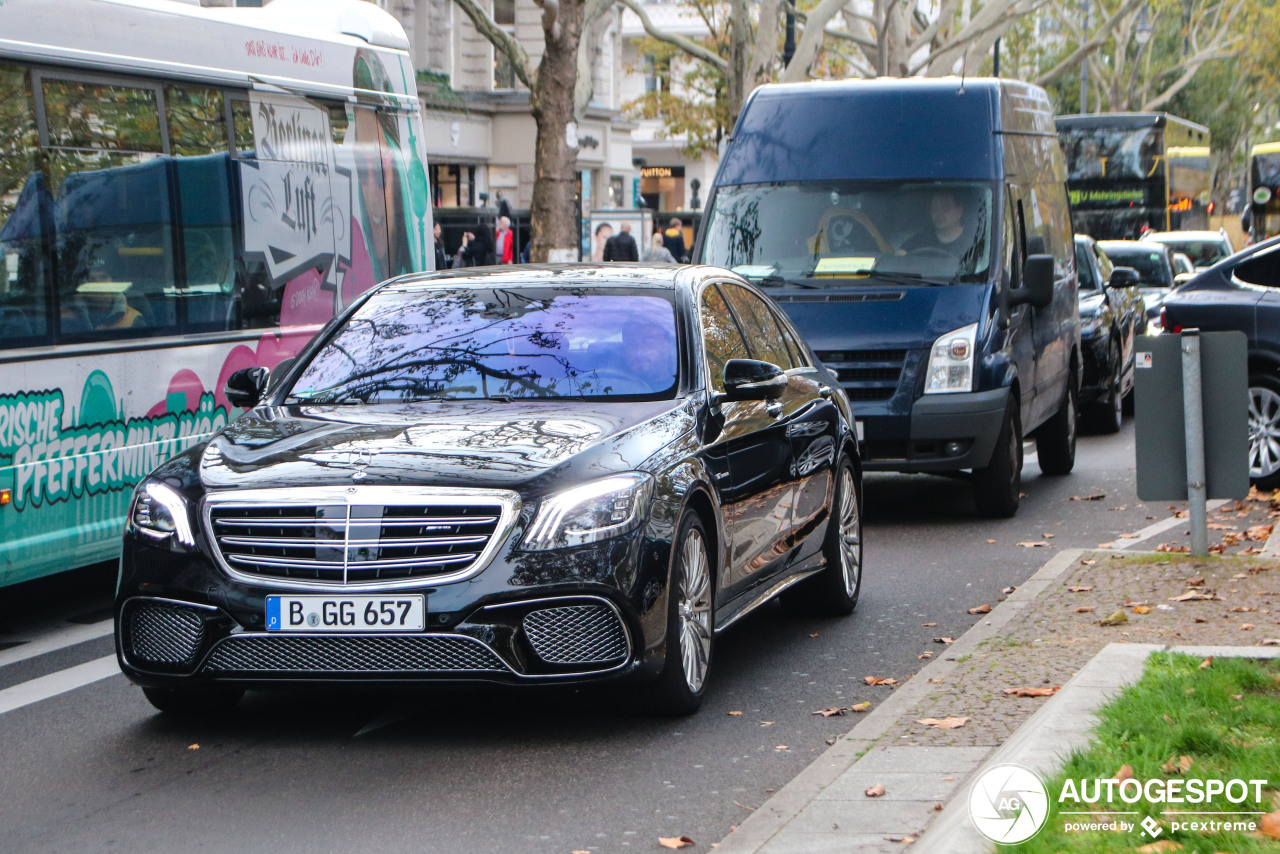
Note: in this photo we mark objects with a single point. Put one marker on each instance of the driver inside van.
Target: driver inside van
(951, 225)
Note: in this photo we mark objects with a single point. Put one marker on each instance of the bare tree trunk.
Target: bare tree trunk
(736, 82)
(555, 234)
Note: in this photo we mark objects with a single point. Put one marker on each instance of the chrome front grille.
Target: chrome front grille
(357, 537)
(352, 654)
(576, 634)
(158, 633)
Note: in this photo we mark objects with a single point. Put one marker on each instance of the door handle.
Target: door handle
(774, 409)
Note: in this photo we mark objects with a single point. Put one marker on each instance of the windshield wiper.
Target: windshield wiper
(781, 282)
(904, 278)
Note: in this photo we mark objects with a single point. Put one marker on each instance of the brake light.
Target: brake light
(1209, 208)
(1164, 322)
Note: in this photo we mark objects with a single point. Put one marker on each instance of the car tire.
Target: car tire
(1264, 431)
(680, 687)
(1107, 416)
(834, 591)
(1056, 438)
(194, 700)
(997, 488)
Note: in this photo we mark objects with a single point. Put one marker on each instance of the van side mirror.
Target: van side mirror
(1037, 282)
(750, 379)
(1124, 277)
(244, 388)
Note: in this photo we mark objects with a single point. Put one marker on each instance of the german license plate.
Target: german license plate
(346, 613)
(859, 431)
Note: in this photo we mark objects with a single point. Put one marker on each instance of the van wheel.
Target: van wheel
(680, 687)
(834, 591)
(195, 699)
(1056, 439)
(1264, 431)
(998, 487)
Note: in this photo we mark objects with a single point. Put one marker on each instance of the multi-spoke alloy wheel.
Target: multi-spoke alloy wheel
(694, 610)
(850, 535)
(1264, 432)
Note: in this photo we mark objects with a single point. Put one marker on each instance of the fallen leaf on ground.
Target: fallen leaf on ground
(1116, 618)
(924, 655)
(1080, 588)
(735, 714)
(928, 625)
(193, 747)
(875, 791)
(990, 541)
(944, 640)
(1178, 765)
(860, 707)
(766, 723)
(1246, 627)
(1125, 773)
(1089, 562)
(1200, 620)
(1196, 596)
(1008, 591)
(831, 712)
(1270, 824)
(943, 723)
(1142, 609)
(814, 635)
(1172, 549)
(1195, 582)
(1158, 846)
(1128, 536)
(1207, 663)
(1097, 496)
(781, 747)
(1241, 609)
(675, 841)
(984, 608)
(1034, 544)
(1106, 545)
(1047, 536)
(1084, 609)
(1033, 692)
(906, 839)
(872, 680)
(1271, 642)
(1181, 514)
(1258, 532)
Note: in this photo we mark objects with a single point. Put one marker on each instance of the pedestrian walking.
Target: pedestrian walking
(656, 252)
(622, 246)
(504, 242)
(673, 239)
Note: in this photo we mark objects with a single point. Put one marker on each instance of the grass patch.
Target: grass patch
(1225, 718)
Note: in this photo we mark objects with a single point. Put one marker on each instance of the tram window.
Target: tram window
(23, 300)
(101, 116)
(197, 121)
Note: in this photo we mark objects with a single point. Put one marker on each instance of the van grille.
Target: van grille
(867, 375)
(352, 544)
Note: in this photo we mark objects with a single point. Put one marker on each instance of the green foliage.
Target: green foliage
(698, 108)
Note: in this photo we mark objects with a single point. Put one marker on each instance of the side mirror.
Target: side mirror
(1037, 282)
(749, 379)
(1124, 277)
(244, 388)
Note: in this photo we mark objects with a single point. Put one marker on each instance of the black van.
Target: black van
(918, 233)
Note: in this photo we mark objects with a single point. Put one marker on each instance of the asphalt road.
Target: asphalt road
(95, 769)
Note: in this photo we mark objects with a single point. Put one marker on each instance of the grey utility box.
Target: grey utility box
(1159, 428)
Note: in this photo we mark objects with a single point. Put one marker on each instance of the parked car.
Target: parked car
(1112, 315)
(531, 475)
(1155, 265)
(1183, 269)
(1204, 248)
(934, 272)
(1243, 293)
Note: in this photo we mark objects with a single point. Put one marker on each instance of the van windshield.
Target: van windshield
(934, 232)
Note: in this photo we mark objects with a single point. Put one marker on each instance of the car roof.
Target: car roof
(657, 277)
(1162, 236)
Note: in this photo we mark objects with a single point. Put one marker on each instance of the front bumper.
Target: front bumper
(919, 442)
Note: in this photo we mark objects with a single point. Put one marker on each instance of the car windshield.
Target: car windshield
(1152, 264)
(407, 345)
(933, 232)
(1203, 253)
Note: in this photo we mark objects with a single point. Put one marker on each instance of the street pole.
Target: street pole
(1193, 421)
(996, 60)
(1084, 63)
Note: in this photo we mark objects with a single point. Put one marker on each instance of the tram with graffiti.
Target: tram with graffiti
(202, 198)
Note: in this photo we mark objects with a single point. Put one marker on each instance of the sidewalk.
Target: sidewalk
(1045, 634)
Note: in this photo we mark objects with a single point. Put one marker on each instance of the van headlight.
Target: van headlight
(160, 513)
(951, 362)
(609, 507)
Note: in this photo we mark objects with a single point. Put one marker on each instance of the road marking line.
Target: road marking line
(1162, 526)
(54, 640)
(54, 684)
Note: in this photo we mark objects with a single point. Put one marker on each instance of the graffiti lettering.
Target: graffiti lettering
(299, 206)
(290, 139)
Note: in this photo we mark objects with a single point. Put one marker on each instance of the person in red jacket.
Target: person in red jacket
(504, 242)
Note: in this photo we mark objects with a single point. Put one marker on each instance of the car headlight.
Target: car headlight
(951, 362)
(595, 511)
(1089, 324)
(160, 513)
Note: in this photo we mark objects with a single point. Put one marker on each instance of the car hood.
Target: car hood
(1090, 303)
(884, 317)
(478, 444)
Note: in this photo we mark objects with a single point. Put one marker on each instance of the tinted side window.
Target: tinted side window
(764, 336)
(1088, 281)
(24, 213)
(720, 336)
(1262, 269)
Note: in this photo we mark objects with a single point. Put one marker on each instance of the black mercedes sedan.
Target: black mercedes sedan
(1112, 316)
(1242, 293)
(533, 475)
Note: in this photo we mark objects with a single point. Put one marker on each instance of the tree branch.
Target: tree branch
(692, 48)
(501, 40)
(811, 41)
(1076, 56)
